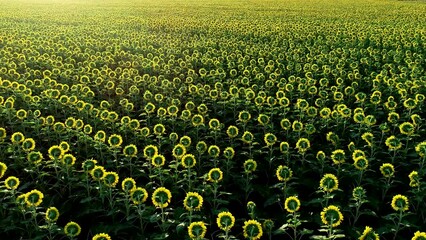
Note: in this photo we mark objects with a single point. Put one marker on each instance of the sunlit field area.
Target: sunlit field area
(222, 119)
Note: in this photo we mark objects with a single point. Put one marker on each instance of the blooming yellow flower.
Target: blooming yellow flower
(101, 236)
(331, 216)
(193, 201)
(252, 230)
(52, 214)
(161, 197)
(34, 198)
(138, 195)
(292, 204)
(197, 230)
(72, 229)
(369, 234)
(225, 221)
(329, 183)
(215, 175)
(419, 236)
(400, 203)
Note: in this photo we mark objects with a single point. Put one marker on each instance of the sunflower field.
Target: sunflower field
(212, 119)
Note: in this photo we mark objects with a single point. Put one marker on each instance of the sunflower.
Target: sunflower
(65, 146)
(3, 168)
(244, 116)
(130, 151)
(369, 234)
(400, 203)
(297, 126)
(214, 124)
(229, 153)
(97, 173)
(331, 216)
(333, 138)
(393, 143)
(28, 144)
(247, 137)
(410, 103)
(188, 161)
(387, 170)
(285, 124)
(329, 183)
(11, 182)
(213, 151)
(55, 152)
(250, 166)
(197, 120)
(419, 236)
(292, 204)
(368, 137)
(115, 141)
(406, 128)
(150, 151)
(89, 164)
(252, 230)
(185, 141)
(128, 184)
(161, 197)
(68, 160)
(359, 117)
(414, 179)
(21, 114)
(361, 163)
(225, 221)
(284, 173)
(338, 156)
(284, 147)
(193, 201)
(100, 136)
(17, 138)
(215, 175)
(325, 112)
(416, 119)
(3, 134)
(173, 137)
(303, 144)
(201, 147)
(263, 119)
(110, 179)
(357, 154)
(359, 193)
(70, 122)
(72, 229)
(52, 214)
(159, 129)
(270, 139)
(101, 236)
(179, 151)
(320, 156)
(232, 131)
(34, 198)
(158, 160)
(138, 195)
(197, 230)
(393, 117)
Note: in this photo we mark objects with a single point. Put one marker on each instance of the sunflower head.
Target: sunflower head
(225, 221)
(250, 166)
(11, 182)
(115, 141)
(284, 173)
(193, 201)
(89, 164)
(247, 137)
(72, 229)
(138, 195)
(197, 230)
(161, 197)
(179, 151)
(150, 151)
(369, 234)
(252, 230)
(232, 131)
(188, 161)
(52, 214)
(329, 183)
(101, 236)
(110, 179)
(215, 175)
(34, 198)
(128, 184)
(400, 203)
(387, 170)
(331, 216)
(292, 204)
